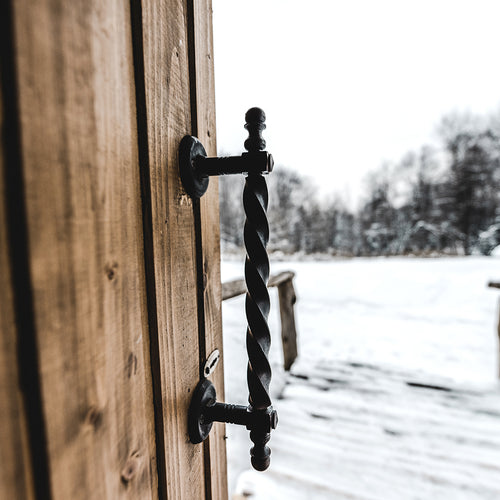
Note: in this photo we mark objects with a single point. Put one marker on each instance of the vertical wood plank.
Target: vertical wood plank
(210, 232)
(84, 220)
(15, 472)
(168, 116)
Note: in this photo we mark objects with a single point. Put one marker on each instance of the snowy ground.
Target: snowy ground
(357, 420)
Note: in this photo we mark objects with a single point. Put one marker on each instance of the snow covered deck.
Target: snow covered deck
(354, 431)
(394, 394)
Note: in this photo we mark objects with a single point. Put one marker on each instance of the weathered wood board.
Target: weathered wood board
(15, 472)
(121, 268)
(209, 260)
(187, 321)
(84, 223)
(168, 117)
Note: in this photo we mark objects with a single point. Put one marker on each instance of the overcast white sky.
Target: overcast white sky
(347, 84)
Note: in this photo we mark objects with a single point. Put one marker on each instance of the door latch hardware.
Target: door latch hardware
(195, 167)
(211, 363)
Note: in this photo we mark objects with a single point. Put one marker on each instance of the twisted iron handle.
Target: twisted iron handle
(257, 304)
(259, 416)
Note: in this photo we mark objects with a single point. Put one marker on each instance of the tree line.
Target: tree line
(437, 200)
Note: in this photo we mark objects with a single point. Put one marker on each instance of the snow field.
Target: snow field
(358, 419)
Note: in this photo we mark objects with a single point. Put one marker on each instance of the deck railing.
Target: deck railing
(287, 298)
(496, 284)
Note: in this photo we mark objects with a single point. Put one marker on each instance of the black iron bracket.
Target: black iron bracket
(204, 410)
(195, 167)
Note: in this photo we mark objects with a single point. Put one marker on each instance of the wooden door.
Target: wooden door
(109, 273)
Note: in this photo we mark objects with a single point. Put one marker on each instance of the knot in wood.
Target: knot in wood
(132, 467)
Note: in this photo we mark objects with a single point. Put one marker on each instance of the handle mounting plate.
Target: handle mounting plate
(204, 395)
(195, 184)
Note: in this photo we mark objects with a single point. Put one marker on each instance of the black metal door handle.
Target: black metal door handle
(259, 416)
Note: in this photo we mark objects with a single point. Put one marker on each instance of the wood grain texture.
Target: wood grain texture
(204, 109)
(15, 473)
(83, 204)
(168, 111)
